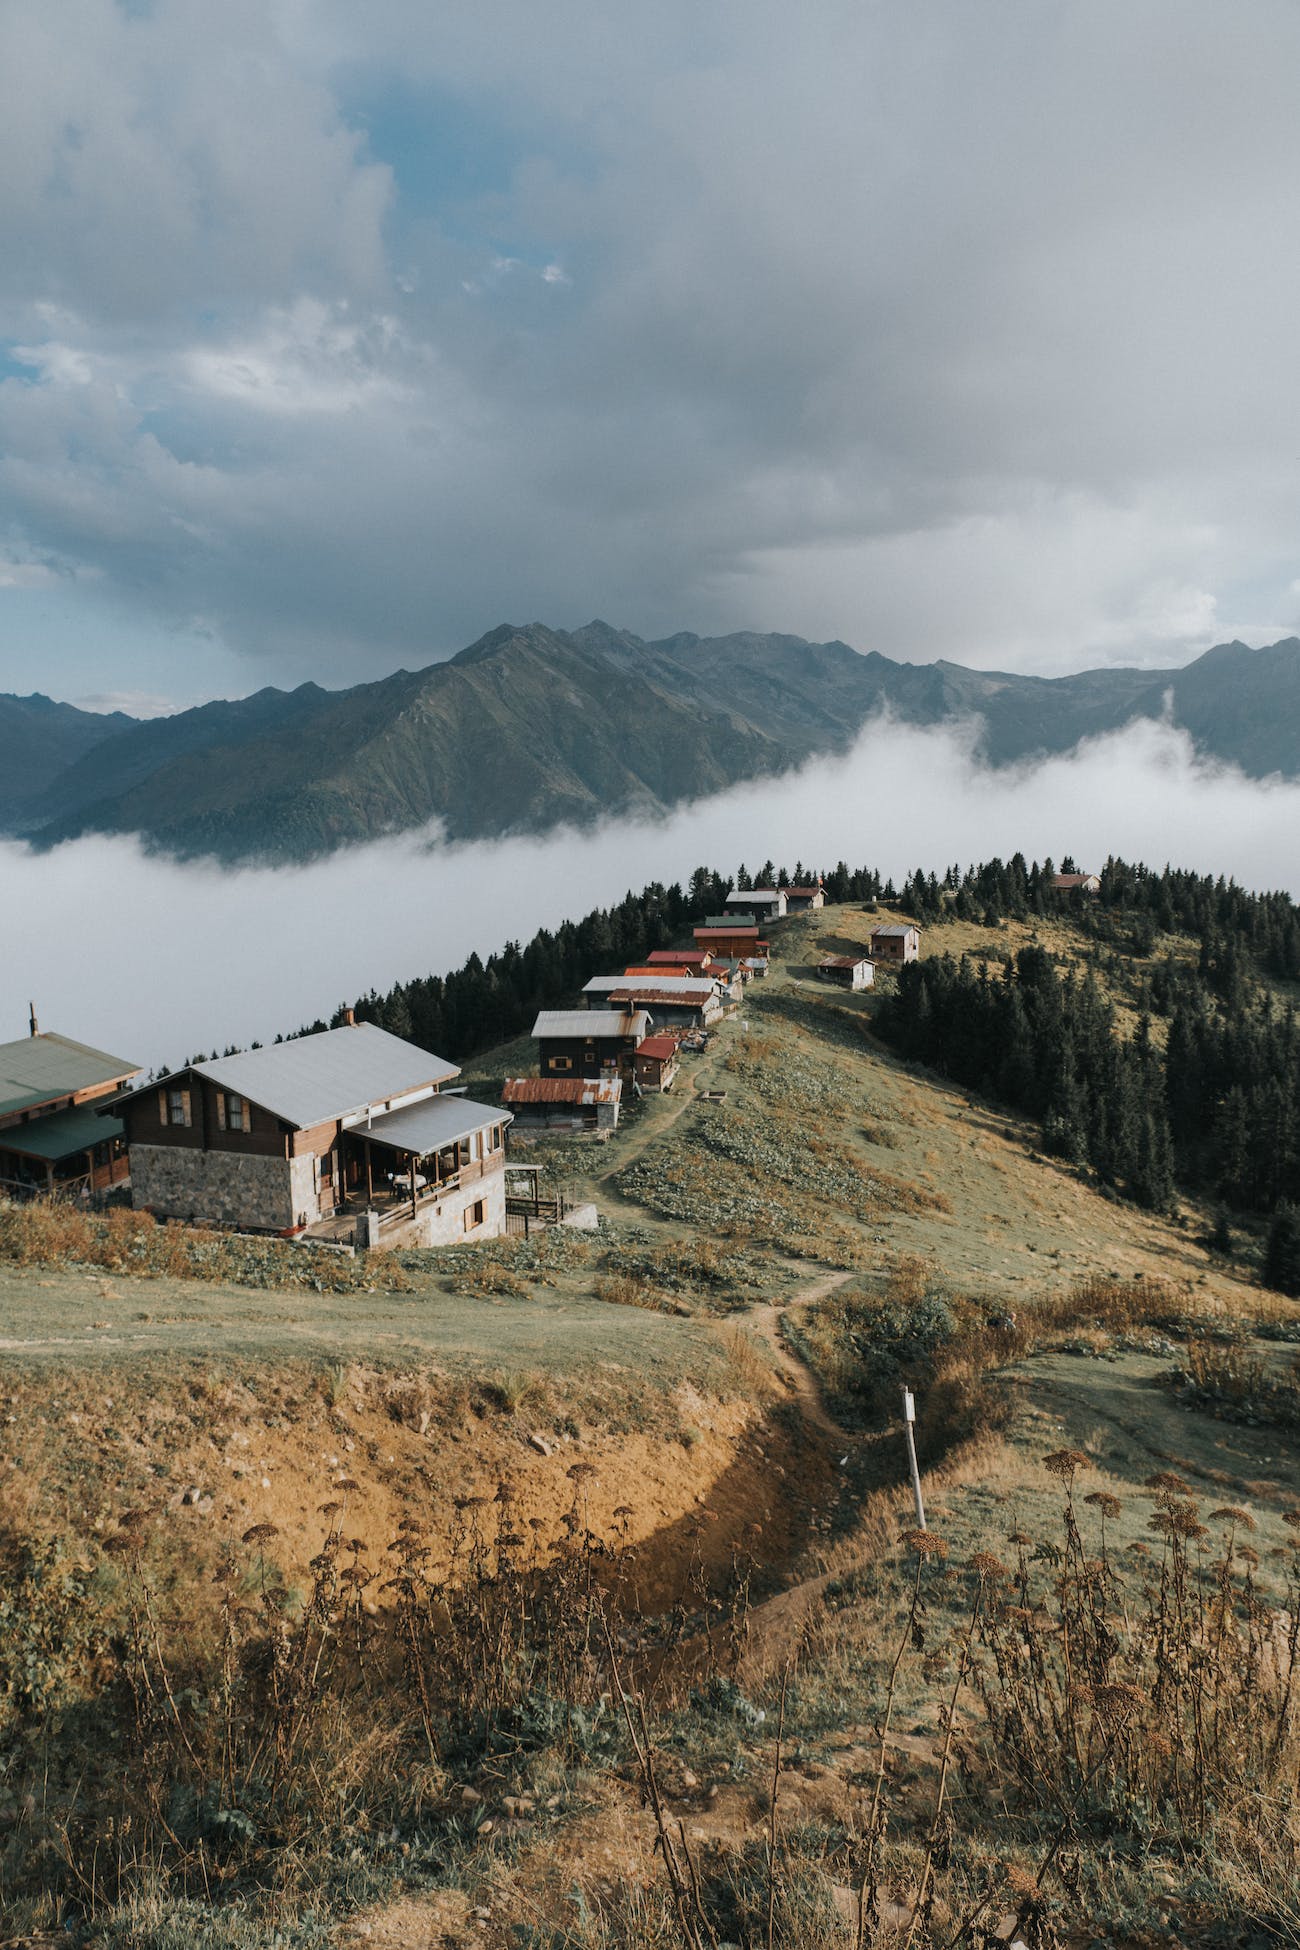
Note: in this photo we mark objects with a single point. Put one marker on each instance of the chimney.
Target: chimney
(35, 1029)
(349, 1018)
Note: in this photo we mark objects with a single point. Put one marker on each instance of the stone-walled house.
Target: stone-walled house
(314, 1134)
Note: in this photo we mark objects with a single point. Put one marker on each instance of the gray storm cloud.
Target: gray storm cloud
(288, 944)
(963, 332)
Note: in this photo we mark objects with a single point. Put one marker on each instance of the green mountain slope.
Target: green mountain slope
(532, 727)
(40, 739)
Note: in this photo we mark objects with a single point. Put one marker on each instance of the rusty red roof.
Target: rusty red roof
(658, 1047)
(562, 1090)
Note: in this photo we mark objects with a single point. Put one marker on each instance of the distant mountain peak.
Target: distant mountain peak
(530, 727)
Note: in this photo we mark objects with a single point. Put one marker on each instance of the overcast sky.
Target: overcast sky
(333, 335)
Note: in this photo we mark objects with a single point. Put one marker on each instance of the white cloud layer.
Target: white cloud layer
(960, 331)
(156, 960)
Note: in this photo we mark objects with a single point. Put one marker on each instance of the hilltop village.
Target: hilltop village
(353, 1136)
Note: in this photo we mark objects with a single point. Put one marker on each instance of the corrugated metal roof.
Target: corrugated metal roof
(895, 927)
(843, 961)
(689, 987)
(580, 1023)
(335, 1073)
(61, 1134)
(665, 998)
(585, 1091)
(36, 1069)
(687, 956)
(764, 895)
(431, 1124)
(727, 923)
(658, 1047)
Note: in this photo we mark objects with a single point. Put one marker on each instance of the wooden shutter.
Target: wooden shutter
(185, 1107)
(221, 1110)
(162, 1107)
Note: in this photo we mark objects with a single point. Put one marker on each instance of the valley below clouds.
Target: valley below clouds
(157, 959)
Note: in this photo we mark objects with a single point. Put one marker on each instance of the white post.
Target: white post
(909, 1418)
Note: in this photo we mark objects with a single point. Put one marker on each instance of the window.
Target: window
(176, 1107)
(232, 1112)
(496, 1137)
(561, 1062)
(475, 1215)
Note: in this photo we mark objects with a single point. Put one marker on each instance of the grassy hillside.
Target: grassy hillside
(354, 1563)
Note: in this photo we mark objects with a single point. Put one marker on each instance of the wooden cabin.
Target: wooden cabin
(805, 900)
(847, 971)
(730, 937)
(52, 1138)
(693, 961)
(564, 1103)
(759, 903)
(1082, 883)
(595, 1042)
(656, 1062)
(314, 1135)
(895, 942)
(672, 1002)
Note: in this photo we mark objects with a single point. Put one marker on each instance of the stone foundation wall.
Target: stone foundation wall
(442, 1221)
(229, 1187)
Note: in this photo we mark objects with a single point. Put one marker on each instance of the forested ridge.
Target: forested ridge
(1201, 1090)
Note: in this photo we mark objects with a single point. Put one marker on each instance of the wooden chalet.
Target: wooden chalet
(656, 1062)
(564, 1103)
(895, 942)
(731, 937)
(593, 1042)
(344, 1132)
(671, 1001)
(1082, 883)
(692, 961)
(52, 1138)
(847, 971)
(805, 900)
(759, 903)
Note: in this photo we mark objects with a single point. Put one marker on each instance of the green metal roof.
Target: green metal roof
(37, 1069)
(62, 1134)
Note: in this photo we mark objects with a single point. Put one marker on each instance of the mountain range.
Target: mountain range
(531, 727)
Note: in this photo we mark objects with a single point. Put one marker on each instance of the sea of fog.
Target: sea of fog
(155, 960)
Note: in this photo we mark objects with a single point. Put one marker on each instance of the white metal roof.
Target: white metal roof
(590, 1022)
(692, 988)
(335, 1073)
(431, 1124)
(895, 927)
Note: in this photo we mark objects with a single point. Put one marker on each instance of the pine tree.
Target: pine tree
(1282, 1254)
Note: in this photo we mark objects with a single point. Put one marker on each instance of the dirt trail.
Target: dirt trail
(644, 1138)
(766, 1319)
